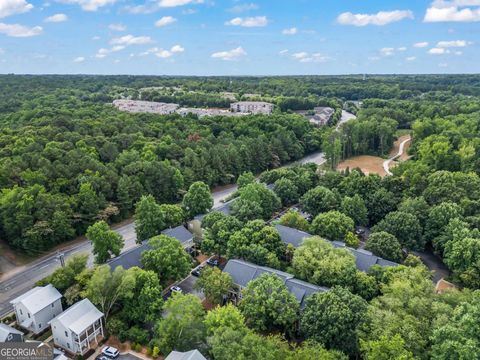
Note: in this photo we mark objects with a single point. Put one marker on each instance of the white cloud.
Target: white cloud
(103, 52)
(131, 40)
(411, 58)
(175, 3)
(12, 7)
(283, 52)
(453, 11)
(243, 8)
(248, 21)
(57, 18)
(164, 21)
(291, 31)
(230, 55)
(79, 59)
(117, 27)
(438, 51)
(443, 65)
(403, 48)
(164, 53)
(458, 53)
(17, 30)
(96, 37)
(421, 44)
(305, 57)
(381, 18)
(387, 51)
(89, 5)
(454, 43)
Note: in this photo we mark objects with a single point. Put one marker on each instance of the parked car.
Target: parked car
(212, 262)
(176, 289)
(359, 231)
(197, 271)
(110, 352)
(102, 357)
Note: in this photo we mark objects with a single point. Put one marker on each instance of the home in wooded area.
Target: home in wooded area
(37, 307)
(10, 334)
(181, 234)
(189, 355)
(79, 328)
(133, 257)
(242, 272)
(364, 259)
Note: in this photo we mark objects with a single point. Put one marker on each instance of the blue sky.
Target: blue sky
(229, 37)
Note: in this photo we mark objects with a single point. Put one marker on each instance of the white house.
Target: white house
(37, 307)
(189, 355)
(79, 328)
(10, 334)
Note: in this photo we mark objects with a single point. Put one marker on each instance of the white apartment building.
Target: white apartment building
(252, 107)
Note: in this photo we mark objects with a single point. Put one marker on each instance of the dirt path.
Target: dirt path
(375, 164)
(400, 143)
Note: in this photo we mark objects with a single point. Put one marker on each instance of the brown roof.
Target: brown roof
(443, 285)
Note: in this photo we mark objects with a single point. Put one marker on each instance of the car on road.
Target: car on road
(110, 352)
(212, 262)
(176, 289)
(198, 271)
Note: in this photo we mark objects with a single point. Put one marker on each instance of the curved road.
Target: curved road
(16, 283)
(386, 163)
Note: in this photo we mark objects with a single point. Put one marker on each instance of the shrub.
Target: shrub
(138, 348)
(155, 351)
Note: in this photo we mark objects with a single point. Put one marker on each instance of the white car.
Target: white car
(176, 289)
(110, 351)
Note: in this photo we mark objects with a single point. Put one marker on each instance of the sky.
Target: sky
(236, 37)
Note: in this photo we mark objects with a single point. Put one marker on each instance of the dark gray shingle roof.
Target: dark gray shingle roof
(364, 259)
(180, 233)
(291, 236)
(242, 272)
(130, 258)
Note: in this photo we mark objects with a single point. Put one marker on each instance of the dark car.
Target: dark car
(197, 271)
(102, 357)
(212, 262)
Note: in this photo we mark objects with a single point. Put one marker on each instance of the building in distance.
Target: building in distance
(252, 107)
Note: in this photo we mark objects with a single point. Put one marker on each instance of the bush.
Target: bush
(351, 240)
(149, 351)
(133, 344)
(138, 335)
(138, 348)
(155, 351)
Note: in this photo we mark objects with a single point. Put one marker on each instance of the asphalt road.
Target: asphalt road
(20, 282)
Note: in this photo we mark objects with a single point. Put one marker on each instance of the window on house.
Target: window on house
(53, 305)
(68, 345)
(39, 326)
(21, 313)
(28, 315)
(66, 334)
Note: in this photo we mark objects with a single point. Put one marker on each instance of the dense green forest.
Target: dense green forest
(68, 160)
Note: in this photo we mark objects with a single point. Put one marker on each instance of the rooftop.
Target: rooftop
(242, 272)
(180, 233)
(6, 330)
(79, 316)
(130, 258)
(363, 259)
(291, 235)
(189, 355)
(38, 298)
